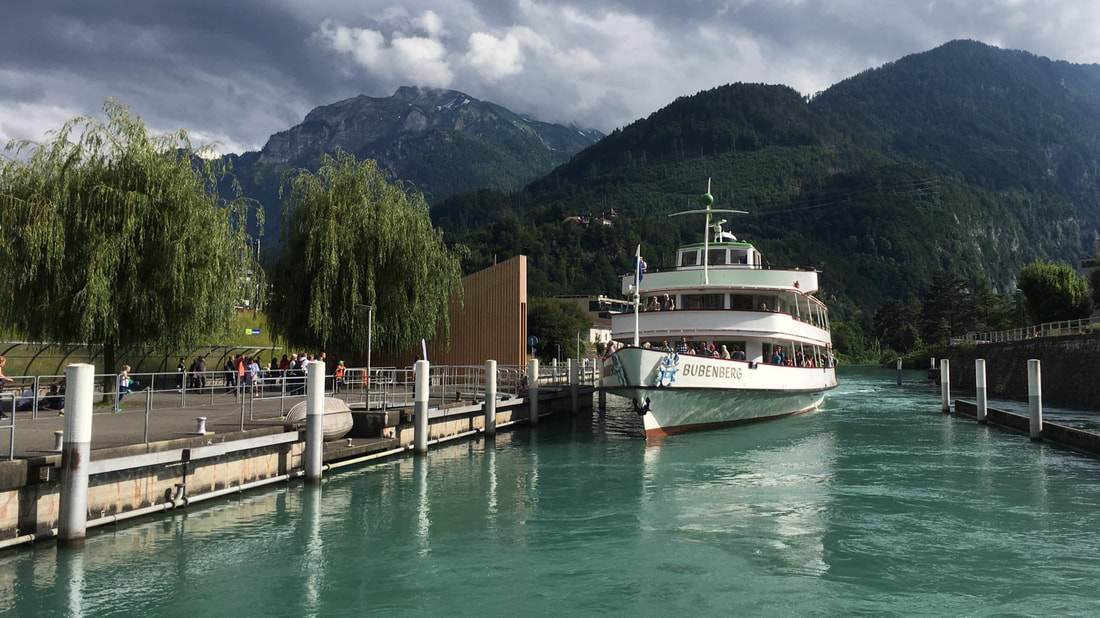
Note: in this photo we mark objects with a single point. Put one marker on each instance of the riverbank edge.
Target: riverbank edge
(144, 479)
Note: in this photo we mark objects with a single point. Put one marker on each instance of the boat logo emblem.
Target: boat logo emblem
(666, 369)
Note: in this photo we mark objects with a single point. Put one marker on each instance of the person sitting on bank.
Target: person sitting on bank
(653, 305)
(667, 304)
(738, 353)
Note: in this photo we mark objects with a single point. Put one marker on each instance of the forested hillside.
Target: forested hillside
(878, 222)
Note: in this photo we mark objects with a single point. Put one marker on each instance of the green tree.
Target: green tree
(557, 324)
(1053, 292)
(115, 237)
(1094, 286)
(895, 326)
(945, 308)
(352, 239)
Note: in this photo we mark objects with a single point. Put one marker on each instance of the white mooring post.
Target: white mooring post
(315, 420)
(599, 384)
(1035, 398)
(899, 372)
(574, 385)
(533, 391)
(420, 402)
(490, 398)
(980, 388)
(73, 515)
(945, 384)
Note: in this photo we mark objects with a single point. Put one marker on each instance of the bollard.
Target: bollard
(58, 441)
(945, 384)
(200, 426)
(490, 398)
(980, 389)
(533, 391)
(599, 384)
(574, 386)
(315, 420)
(899, 372)
(1035, 398)
(420, 399)
(73, 515)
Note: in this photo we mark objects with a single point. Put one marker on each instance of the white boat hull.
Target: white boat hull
(682, 393)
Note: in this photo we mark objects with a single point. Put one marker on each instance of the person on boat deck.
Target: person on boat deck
(653, 305)
(666, 347)
(682, 347)
(738, 353)
(763, 306)
(777, 357)
(667, 304)
(725, 352)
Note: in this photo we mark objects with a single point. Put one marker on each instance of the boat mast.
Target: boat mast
(707, 199)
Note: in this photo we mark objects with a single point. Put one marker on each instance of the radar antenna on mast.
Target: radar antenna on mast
(707, 200)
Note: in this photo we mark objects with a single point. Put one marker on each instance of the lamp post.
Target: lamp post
(370, 331)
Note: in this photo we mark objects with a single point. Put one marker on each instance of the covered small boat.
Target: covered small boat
(338, 420)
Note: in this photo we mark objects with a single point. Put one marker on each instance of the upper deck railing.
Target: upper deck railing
(1049, 329)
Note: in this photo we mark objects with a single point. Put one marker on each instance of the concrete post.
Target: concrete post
(1035, 398)
(574, 385)
(490, 398)
(315, 420)
(73, 514)
(420, 402)
(980, 388)
(899, 372)
(945, 384)
(599, 383)
(533, 391)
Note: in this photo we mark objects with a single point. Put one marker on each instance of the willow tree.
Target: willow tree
(116, 237)
(351, 239)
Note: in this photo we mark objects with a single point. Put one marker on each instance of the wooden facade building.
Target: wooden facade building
(490, 323)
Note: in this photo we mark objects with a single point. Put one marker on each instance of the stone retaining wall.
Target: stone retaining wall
(1070, 369)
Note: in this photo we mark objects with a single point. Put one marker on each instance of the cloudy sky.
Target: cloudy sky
(235, 72)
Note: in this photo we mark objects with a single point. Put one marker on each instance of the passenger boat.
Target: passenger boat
(776, 332)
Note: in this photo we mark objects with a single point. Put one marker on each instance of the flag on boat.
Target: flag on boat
(639, 267)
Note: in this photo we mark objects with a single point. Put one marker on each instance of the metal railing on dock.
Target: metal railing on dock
(266, 398)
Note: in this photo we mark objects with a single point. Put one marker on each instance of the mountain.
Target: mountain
(440, 141)
(1004, 120)
(966, 157)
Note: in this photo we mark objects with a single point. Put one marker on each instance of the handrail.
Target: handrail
(1047, 329)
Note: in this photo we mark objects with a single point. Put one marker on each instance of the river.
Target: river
(876, 504)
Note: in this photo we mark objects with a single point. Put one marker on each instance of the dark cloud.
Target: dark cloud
(237, 72)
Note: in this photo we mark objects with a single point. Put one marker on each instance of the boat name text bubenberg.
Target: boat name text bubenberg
(710, 371)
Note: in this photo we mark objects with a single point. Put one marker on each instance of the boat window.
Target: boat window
(738, 257)
(741, 302)
(689, 258)
(701, 301)
(717, 257)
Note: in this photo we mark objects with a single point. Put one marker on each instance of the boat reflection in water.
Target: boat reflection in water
(760, 494)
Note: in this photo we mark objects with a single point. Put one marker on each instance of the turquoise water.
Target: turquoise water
(877, 504)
